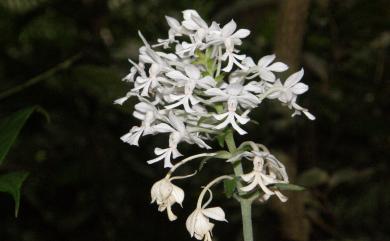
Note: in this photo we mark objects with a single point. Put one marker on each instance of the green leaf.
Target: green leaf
(10, 128)
(221, 139)
(11, 183)
(313, 177)
(288, 187)
(229, 187)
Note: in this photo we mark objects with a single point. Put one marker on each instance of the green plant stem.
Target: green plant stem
(245, 203)
(40, 77)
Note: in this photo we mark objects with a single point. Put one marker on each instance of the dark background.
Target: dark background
(85, 184)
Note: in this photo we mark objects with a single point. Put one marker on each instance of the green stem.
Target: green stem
(246, 204)
(40, 77)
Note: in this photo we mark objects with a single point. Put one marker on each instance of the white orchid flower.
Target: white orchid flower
(267, 170)
(233, 91)
(131, 75)
(289, 92)
(147, 113)
(193, 21)
(230, 118)
(166, 194)
(198, 223)
(230, 38)
(299, 109)
(168, 153)
(179, 132)
(175, 30)
(149, 83)
(265, 69)
(190, 81)
(291, 88)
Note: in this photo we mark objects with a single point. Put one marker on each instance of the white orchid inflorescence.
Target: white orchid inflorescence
(195, 86)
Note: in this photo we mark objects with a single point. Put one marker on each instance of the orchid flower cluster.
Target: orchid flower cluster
(194, 86)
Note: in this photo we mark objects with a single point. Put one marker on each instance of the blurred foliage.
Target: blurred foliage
(87, 185)
(10, 127)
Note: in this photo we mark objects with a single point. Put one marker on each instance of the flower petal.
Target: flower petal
(241, 33)
(293, 79)
(215, 213)
(171, 215)
(267, 75)
(266, 60)
(172, 22)
(162, 128)
(278, 67)
(176, 75)
(192, 72)
(178, 194)
(299, 88)
(229, 28)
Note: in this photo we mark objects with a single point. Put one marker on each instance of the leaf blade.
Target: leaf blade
(11, 183)
(10, 128)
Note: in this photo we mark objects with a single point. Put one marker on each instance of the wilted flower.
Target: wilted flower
(198, 223)
(165, 194)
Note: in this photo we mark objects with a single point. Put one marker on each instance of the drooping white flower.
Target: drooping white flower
(198, 223)
(166, 194)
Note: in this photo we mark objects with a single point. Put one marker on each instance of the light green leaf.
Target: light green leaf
(11, 183)
(229, 187)
(10, 128)
(288, 187)
(221, 139)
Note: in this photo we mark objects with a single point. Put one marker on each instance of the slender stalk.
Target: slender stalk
(65, 64)
(246, 204)
(207, 188)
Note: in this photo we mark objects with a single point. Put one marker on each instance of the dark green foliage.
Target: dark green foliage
(10, 128)
(11, 183)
